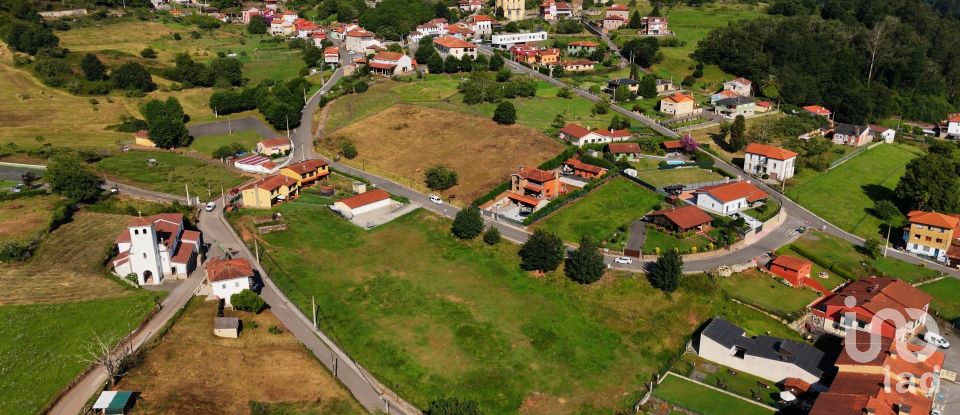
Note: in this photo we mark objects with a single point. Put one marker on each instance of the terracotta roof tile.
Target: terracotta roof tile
(227, 269)
(935, 219)
(790, 262)
(685, 217)
(451, 42)
(729, 192)
(365, 198)
(772, 152)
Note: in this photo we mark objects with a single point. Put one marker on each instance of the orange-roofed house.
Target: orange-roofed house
(307, 172)
(331, 55)
(818, 111)
(157, 247)
(672, 146)
(228, 277)
(679, 105)
(854, 307)
(582, 46)
(930, 234)
(272, 146)
(449, 45)
(536, 184)
(363, 203)
(681, 219)
(729, 198)
(390, 63)
(524, 53)
(795, 271)
(576, 167)
(548, 56)
(579, 135)
(577, 65)
(360, 40)
(776, 162)
(269, 191)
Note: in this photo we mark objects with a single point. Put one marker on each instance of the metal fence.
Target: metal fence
(857, 152)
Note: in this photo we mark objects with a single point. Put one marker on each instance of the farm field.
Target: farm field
(764, 291)
(579, 347)
(661, 178)
(207, 144)
(440, 92)
(703, 400)
(845, 194)
(21, 219)
(840, 257)
(171, 173)
(946, 300)
(173, 382)
(403, 141)
(606, 210)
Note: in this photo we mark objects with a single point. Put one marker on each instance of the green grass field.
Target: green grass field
(171, 173)
(207, 144)
(845, 194)
(742, 384)
(441, 316)
(440, 91)
(658, 242)
(661, 178)
(946, 298)
(703, 400)
(604, 211)
(40, 344)
(762, 290)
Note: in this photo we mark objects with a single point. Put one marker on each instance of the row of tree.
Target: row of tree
(279, 102)
(222, 72)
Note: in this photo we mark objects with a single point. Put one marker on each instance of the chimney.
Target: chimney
(869, 411)
(903, 409)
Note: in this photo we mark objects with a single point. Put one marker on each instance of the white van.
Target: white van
(936, 340)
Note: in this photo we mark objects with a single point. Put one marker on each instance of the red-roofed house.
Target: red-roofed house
(740, 86)
(359, 40)
(305, 28)
(318, 37)
(795, 271)
(672, 146)
(627, 151)
(449, 45)
(480, 24)
(363, 203)
(156, 247)
(331, 55)
(764, 159)
(854, 307)
(679, 105)
(551, 10)
(576, 167)
(953, 125)
(390, 63)
(578, 135)
(535, 183)
(228, 277)
(654, 26)
(729, 198)
(307, 172)
(682, 219)
(582, 46)
(522, 52)
(817, 110)
(269, 191)
(930, 234)
(271, 146)
(461, 31)
(577, 65)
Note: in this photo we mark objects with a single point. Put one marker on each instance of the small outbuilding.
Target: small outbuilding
(363, 203)
(113, 402)
(228, 327)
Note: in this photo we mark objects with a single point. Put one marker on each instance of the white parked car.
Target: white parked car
(936, 340)
(211, 206)
(436, 199)
(623, 260)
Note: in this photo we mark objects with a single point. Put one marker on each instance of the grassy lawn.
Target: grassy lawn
(703, 400)
(845, 194)
(606, 210)
(946, 298)
(768, 210)
(286, 371)
(834, 253)
(21, 219)
(39, 344)
(762, 290)
(743, 384)
(446, 317)
(207, 144)
(171, 173)
(658, 241)
(691, 175)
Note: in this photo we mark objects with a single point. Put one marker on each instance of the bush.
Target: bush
(468, 223)
(441, 177)
(148, 53)
(585, 264)
(247, 300)
(505, 113)
(491, 236)
(348, 150)
(542, 252)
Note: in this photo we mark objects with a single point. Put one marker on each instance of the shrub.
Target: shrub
(148, 53)
(468, 223)
(274, 329)
(348, 150)
(491, 236)
(441, 177)
(505, 113)
(247, 300)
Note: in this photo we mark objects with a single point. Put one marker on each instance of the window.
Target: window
(236, 284)
(928, 238)
(939, 241)
(224, 286)
(916, 236)
(144, 255)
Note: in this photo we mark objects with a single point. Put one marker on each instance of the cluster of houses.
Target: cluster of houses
(847, 134)
(618, 15)
(283, 186)
(536, 56)
(474, 27)
(886, 382)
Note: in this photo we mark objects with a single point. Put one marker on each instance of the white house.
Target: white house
(281, 27)
(448, 45)
(390, 63)
(156, 247)
(273, 146)
(228, 277)
(953, 125)
(289, 16)
(761, 159)
(331, 55)
(578, 135)
(480, 24)
(507, 40)
(318, 37)
(732, 107)
(729, 198)
(883, 133)
(359, 40)
(770, 358)
(256, 163)
(741, 86)
(363, 203)
(470, 5)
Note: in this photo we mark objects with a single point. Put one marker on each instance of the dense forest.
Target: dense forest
(863, 59)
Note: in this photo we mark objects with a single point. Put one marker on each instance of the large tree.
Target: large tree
(70, 177)
(931, 182)
(585, 264)
(441, 177)
(468, 223)
(648, 86)
(666, 272)
(542, 252)
(738, 133)
(257, 26)
(166, 123)
(643, 51)
(93, 69)
(505, 113)
(132, 75)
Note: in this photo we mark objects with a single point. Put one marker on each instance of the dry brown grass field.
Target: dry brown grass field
(403, 141)
(68, 264)
(193, 371)
(22, 218)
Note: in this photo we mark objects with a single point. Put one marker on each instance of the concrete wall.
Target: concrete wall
(774, 371)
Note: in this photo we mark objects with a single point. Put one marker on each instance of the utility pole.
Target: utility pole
(187, 187)
(223, 196)
(287, 117)
(256, 249)
(886, 243)
(229, 126)
(313, 305)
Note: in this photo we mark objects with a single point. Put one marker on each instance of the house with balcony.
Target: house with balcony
(307, 172)
(451, 46)
(536, 183)
(778, 163)
(731, 108)
(552, 10)
(390, 63)
(856, 306)
(582, 46)
(931, 234)
(740, 86)
(654, 26)
(269, 191)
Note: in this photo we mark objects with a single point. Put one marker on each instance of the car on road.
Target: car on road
(436, 199)
(210, 207)
(623, 260)
(936, 340)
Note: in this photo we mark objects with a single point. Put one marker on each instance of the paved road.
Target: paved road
(73, 401)
(610, 45)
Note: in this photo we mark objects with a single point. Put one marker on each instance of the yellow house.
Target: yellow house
(142, 138)
(930, 233)
(513, 10)
(307, 172)
(269, 191)
(678, 105)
